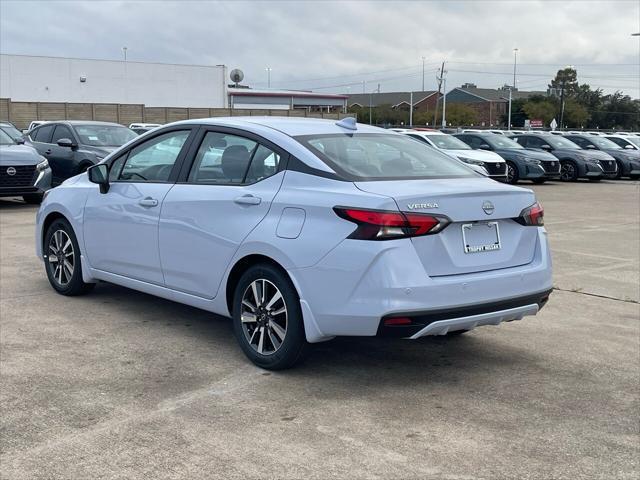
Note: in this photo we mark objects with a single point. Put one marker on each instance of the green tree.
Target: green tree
(567, 79)
(540, 110)
(575, 115)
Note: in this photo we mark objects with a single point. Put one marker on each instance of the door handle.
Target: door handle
(248, 200)
(148, 202)
(48, 152)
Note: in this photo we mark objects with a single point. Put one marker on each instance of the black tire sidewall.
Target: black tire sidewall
(516, 175)
(76, 286)
(33, 198)
(575, 170)
(295, 343)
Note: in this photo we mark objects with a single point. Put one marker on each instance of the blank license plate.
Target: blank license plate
(480, 237)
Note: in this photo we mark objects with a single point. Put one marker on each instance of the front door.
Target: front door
(121, 226)
(229, 190)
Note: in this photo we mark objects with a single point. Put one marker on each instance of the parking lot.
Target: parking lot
(119, 384)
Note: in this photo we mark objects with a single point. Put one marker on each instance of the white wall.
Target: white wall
(51, 79)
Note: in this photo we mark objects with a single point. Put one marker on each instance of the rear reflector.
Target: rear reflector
(390, 322)
(387, 225)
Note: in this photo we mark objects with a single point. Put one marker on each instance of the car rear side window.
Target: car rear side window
(42, 134)
(153, 160)
(382, 156)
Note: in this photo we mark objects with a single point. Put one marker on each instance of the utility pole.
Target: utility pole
(444, 102)
(423, 73)
(268, 69)
(364, 85)
(439, 79)
(411, 109)
(124, 51)
(515, 61)
(371, 103)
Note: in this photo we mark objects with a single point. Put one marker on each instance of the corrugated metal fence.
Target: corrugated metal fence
(21, 114)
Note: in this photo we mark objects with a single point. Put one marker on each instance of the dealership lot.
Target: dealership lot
(120, 384)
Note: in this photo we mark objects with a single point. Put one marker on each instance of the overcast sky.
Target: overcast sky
(333, 46)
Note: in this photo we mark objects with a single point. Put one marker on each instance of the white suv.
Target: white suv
(491, 162)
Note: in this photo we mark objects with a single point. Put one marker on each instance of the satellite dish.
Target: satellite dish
(236, 76)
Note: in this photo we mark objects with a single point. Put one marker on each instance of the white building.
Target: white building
(53, 79)
(248, 98)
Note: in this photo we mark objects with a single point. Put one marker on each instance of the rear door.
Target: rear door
(227, 191)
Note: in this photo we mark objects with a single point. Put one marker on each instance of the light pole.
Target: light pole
(124, 51)
(268, 70)
(515, 61)
(423, 73)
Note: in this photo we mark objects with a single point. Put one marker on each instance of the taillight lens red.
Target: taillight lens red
(388, 225)
(532, 216)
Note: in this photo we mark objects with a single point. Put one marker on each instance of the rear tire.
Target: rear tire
(267, 318)
(512, 173)
(62, 260)
(33, 198)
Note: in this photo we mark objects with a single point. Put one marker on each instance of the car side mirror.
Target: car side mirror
(546, 147)
(65, 142)
(19, 141)
(100, 174)
(629, 147)
(484, 146)
(591, 147)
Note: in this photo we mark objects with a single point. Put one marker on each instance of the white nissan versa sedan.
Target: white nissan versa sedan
(301, 230)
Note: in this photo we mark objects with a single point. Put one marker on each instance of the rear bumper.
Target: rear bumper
(440, 322)
(359, 283)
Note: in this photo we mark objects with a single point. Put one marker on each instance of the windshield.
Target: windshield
(501, 142)
(5, 139)
(380, 156)
(448, 142)
(12, 131)
(634, 140)
(559, 142)
(104, 135)
(605, 143)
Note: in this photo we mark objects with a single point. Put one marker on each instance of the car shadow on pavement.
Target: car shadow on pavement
(15, 204)
(346, 360)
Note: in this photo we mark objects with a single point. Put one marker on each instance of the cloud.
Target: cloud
(345, 40)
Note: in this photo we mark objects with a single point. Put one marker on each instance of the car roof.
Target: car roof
(288, 126)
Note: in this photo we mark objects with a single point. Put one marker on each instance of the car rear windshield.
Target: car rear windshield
(104, 135)
(448, 142)
(379, 156)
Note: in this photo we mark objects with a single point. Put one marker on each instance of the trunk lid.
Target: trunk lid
(462, 200)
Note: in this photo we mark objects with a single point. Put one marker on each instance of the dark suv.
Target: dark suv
(73, 146)
(522, 164)
(628, 161)
(575, 162)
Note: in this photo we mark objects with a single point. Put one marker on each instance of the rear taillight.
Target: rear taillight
(533, 216)
(388, 225)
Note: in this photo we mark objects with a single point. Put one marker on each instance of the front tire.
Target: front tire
(33, 198)
(539, 181)
(568, 171)
(267, 318)
(512, 173)
(62, 260)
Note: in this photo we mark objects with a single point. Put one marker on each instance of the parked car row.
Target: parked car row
(540, 156)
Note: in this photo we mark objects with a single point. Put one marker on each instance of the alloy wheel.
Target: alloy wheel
(61, 257)
(264, 316)
(567, 171)
(511, 173)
